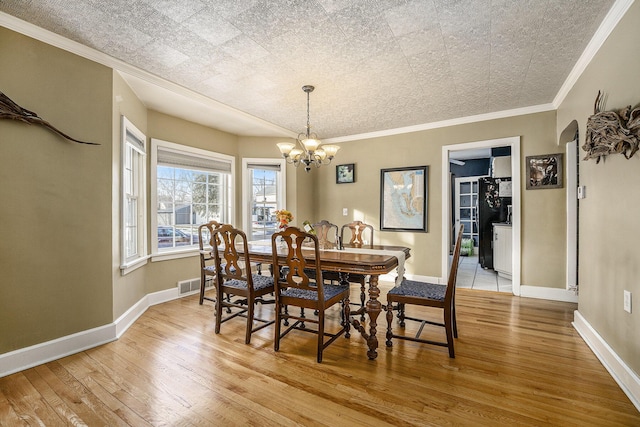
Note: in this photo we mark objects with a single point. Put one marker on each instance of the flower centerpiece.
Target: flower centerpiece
(284, 217)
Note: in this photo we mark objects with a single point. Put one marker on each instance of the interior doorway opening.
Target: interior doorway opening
(500, 245)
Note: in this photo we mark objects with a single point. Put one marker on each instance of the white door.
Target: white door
(466, 207)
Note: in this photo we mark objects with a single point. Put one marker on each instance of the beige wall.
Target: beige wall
(130, 288)
(56, 195)
(543, 218)
(609, 226)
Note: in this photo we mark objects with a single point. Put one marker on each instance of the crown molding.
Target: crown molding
(446, 123)
(125, 69)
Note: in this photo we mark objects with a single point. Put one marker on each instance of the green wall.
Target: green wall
(56, 195)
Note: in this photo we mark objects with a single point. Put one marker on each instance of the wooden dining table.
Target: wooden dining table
(349, 262)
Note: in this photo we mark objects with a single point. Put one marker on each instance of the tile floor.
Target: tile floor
(472, 276)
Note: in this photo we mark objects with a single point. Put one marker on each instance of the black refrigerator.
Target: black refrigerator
(491, 208)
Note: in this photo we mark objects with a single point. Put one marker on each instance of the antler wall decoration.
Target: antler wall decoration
(611, 132)
(11, 110)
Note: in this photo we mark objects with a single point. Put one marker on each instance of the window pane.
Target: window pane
(133, 211)
(183, 214)
(187, 198)
(264, 202)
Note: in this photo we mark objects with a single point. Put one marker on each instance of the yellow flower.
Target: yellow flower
(284, 217)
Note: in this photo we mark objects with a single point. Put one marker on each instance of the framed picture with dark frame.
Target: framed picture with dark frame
(403, 199)
(544, 171)
(346, 174)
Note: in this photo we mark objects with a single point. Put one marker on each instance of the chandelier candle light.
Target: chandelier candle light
(310, 152)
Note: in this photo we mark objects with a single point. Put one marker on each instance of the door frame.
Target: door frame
(514, 143)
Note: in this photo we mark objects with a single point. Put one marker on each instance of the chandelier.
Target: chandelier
(309, 152)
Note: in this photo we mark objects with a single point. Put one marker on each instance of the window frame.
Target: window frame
(139, 178)
(229, 196)
(247, 185)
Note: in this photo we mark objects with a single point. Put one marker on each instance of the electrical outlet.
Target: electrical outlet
(345, 211)
(627, 301)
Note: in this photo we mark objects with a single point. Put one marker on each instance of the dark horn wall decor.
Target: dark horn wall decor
(11, 110)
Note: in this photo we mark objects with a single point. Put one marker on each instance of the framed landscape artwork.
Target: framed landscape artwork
(403, 198)
(346, 174)
(544, 171)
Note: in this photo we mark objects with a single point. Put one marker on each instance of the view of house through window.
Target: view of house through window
(265, 197)
(189, 190)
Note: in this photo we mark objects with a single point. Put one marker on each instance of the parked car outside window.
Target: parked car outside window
(166, 237)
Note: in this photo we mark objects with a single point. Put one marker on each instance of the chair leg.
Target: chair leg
(455, 322)
(203, 282)
(320, 335)
(286, 312)
(401, 314)
(363, 296)
(347, 320)
(448, 326)
(218, 311)
(302, 317)
(276, 341)
(250, 307)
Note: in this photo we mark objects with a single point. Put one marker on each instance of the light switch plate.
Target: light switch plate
(345, 211)
(627, 301)
(582, 192)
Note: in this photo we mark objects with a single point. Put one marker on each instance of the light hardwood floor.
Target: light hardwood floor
(518, 362)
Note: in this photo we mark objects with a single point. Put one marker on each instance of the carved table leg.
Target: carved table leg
(373, 308)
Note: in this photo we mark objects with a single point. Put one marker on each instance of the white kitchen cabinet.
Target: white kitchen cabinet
(502, 249)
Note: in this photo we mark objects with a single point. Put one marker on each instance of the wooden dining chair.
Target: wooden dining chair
(235, 279)
(427, 295)
(207, 264)
(360, 236)
(327, 233)
(295, 288)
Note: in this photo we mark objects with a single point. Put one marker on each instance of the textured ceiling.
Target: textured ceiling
(376, 64)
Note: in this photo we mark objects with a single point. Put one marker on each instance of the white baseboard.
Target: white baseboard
(554, 294)
(28, 357)
(628, 380)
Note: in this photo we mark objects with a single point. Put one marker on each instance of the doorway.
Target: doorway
(451, 151)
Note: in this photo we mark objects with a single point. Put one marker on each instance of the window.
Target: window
(190, 186)
(134, 201)
(263, 193)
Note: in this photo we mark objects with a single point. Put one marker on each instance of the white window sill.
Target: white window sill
(133, 265)
(175, 254)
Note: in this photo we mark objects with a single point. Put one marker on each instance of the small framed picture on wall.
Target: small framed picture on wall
(346, 174)
(544, 171)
